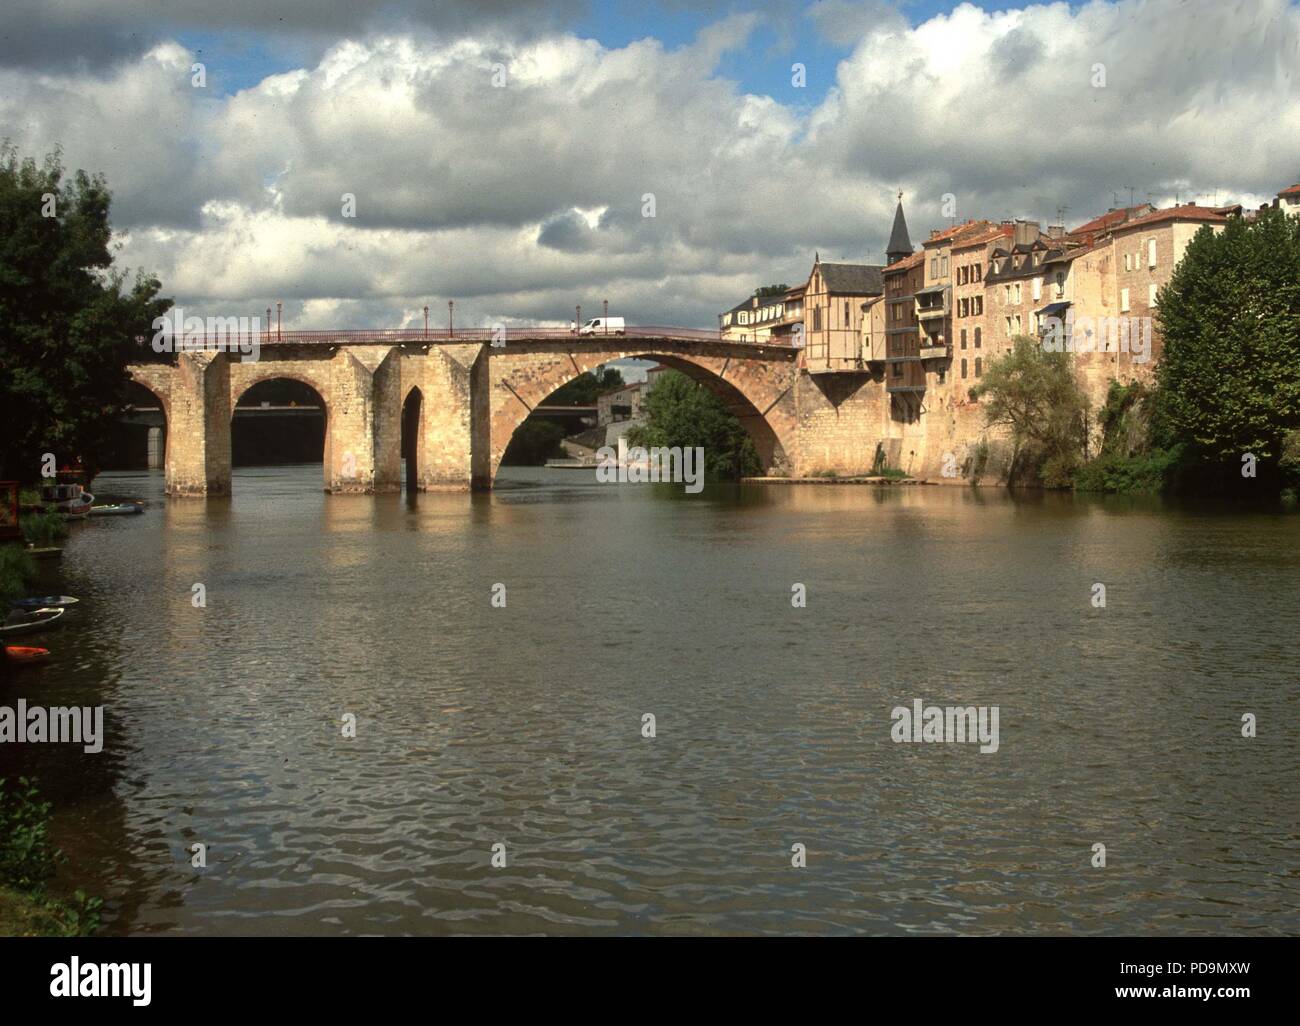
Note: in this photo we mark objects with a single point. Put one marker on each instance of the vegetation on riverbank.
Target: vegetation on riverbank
(1223, 415)
(71, 319)
(28, 859)
(17, 569)
(681, 412)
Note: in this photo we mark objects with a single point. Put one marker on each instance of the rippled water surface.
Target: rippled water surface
(522, 726)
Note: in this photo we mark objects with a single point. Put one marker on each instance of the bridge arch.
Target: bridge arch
(144, 389)
(246, 378)
(412, 437)
(752, 390)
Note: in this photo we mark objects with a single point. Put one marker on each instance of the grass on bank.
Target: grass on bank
(28, 859)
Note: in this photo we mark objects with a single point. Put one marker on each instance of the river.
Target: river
(522, 726)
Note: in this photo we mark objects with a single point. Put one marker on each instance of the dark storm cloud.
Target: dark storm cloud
(94, 34)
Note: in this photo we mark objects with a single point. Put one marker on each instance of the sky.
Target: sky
(524, 157)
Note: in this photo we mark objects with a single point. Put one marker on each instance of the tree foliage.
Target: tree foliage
(681, 412)
(68, 322)
(1229, 377)
(1033, 392)
(587, 387)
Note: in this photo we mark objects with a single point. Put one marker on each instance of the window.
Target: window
(1151, 252)
(941, 377)
(963, 367)
(1017, 324)
(963, 338)
(943, 267)
(1127, 263)
(1151, 294)
(977, 338)
(817, 318)
(934, 267)
(962, 306)
(1006, 295)
(1123, 300)
(1008, 325)
(979, 308)
(1060, 284)
(979, 272)
(1038, 288)
(848, 317)
(898, 370)
(1018, 293)
(977, 367)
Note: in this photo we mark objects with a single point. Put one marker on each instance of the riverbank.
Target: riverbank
(875, 479)
(21, 915)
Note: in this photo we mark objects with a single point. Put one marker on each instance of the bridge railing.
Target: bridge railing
(361, 336)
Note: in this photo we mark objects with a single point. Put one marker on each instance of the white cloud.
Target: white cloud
(524, 200)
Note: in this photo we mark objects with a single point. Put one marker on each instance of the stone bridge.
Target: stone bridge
(457, 402)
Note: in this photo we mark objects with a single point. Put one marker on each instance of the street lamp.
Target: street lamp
(278, 307)
(426, 320)
(577, 321)
(605, 316)
(451, 326)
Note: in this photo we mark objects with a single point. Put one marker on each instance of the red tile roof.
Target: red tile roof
(1187, 212)
(1293, 191)
(907, 263)
(1112, 218)
(985, 237)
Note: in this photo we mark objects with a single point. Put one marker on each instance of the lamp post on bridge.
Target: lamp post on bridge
(268, 324)
(605, 315)
(426, 320)
(577, 318)
(279, 305)
(451, 326)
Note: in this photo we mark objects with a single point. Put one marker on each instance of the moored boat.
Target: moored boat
(117, 509)
(26, 655)
(21, 622)
(67, 495)
(46, 602)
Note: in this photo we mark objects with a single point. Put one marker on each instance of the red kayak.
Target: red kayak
(25, 654)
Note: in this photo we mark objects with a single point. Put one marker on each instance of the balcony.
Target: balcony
(934, 351)
(933, 301)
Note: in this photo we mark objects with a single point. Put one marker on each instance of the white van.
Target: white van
(604, 326)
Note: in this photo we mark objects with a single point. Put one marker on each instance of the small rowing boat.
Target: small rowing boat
(26, 655)
(117, 509)
(46, 602)
(20, 622)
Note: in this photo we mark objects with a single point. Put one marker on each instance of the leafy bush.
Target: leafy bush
(44, 529)
(16, 569)
(1033, 392)
(27, 858)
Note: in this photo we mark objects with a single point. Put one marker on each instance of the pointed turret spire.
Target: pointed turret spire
(900, 244)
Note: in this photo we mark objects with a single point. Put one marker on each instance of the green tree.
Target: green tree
(534, 442)
(1229, 377)
(1033, 392)
(681, 412)
(68, 323)
(587, 387)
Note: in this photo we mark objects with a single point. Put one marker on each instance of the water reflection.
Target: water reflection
(521, 725)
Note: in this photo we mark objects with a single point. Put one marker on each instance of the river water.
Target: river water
(522, 726)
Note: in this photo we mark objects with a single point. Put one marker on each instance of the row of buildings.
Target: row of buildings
(929, 321)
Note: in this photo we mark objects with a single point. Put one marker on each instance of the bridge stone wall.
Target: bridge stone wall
(473, 396)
